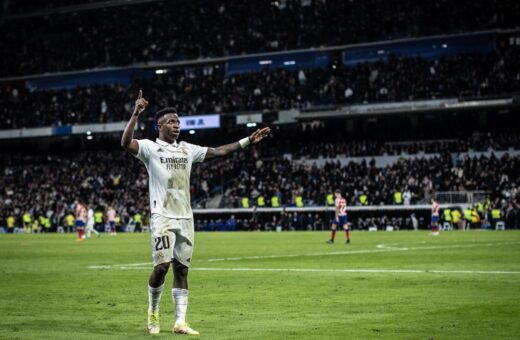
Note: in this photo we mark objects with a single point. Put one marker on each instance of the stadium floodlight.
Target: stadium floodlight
(89, 133)
(161, 71)
(289, 62)
(192, 132)
(251, 124)
(265, 62)
(90, 137)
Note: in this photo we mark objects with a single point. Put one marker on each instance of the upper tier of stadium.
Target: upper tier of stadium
(119, 33)
(210, 88)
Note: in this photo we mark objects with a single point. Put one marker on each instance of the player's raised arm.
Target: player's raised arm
(223, 150)
(127, 140)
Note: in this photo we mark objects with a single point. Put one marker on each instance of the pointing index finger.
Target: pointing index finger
(140, 94)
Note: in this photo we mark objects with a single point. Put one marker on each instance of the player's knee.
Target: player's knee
(180, 269)
(161, 269)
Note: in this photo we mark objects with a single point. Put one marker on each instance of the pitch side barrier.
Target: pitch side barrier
(369, 208)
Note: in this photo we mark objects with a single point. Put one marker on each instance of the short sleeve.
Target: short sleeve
(144, 150)
(198, 153)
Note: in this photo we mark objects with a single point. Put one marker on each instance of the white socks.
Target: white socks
(180, 300)
(154, 297)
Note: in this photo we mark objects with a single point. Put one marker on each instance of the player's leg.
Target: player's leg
(435, 225)
(332, 231)
(92, 229)
(347, 229)
(180, 291)
(156, 285)
(79, 227)
(155, 289)
(183, 251)
(112, 227)
(162, 255)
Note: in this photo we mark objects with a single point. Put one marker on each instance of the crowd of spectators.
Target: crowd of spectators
(420, 177)
(50, 184)
(290, 221)
(317, 145)
(31, 6)
(185, 30)
(207, 89)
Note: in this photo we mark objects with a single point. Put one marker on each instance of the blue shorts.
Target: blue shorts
(79, 224)
(435, 219)
(341, 221)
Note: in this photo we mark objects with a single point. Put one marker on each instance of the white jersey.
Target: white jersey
(169, 168)
(90, 217)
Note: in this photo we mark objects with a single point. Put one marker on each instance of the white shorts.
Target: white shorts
(172, 239)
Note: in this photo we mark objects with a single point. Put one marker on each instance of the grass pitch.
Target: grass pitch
(399, 285)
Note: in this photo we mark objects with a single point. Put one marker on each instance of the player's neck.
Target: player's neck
(167, 140)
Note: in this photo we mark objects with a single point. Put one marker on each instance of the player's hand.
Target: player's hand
(140, 104)
(259, 134)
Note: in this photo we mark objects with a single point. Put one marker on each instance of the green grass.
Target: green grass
(48, 291)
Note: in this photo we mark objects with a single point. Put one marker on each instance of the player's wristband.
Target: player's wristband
(244, 142)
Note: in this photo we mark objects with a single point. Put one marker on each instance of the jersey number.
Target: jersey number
(161, 243)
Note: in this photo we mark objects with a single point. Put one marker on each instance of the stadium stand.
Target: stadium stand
(204, 89)
(29, 6)
(199, 59)
(112, 177)
(184, 30)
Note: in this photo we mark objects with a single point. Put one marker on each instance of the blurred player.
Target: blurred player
(90, 223)
(168, 163)
(81, 218)
(435, 217)
(340, 217)
(111, 219)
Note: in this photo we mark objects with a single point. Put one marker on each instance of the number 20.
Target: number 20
(161, 243)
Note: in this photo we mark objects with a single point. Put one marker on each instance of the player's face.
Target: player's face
(169, 126)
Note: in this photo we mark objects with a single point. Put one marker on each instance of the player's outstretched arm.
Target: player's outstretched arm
(127, 140)
(223, 150)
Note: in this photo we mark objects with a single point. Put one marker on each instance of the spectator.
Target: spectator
(176, 30)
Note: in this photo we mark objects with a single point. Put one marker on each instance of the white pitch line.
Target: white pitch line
(376, 271)
(123, 267)
(312, 270)
(381, 248)
(257, 257)
(139, 266)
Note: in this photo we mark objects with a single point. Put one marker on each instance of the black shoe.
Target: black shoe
(330, 241)
(348, 241)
